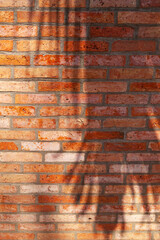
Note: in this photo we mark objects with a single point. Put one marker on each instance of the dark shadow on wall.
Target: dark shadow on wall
(100, 195)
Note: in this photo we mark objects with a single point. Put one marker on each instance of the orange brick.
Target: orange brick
(60, 111)
(63, 31)
(36, 227)
(62, 3)
(8, 208)
(75, 227)
(53, 17)
(96, 236)
(87, 168)
(16, 3)
(91, 17)
(18, 31)
(35, 98)
(113, 226)
(59, 135)
(56, 199)
(17, 111)
(18, 156)
(17, 135)
(78, 208)
(57, 236)
(42, 168)
(6, 16)
(38, 45)
(76, 146)
(8, 146)
(4, 167)
(36, 72)
(17, 199)
(7, 189)
(34, 123)
(79, 123)
(7, 227)
(12, 86)
(6, 45)
(47, 60)
(37, 208)
(60, 179)
(144, 179)
(14, 60)
(59, 86)
(72, 73)
(154, 123)
(18, 236)
(18, 178)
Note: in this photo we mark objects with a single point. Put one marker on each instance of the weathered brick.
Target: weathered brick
(114, 3)
(35, 98)
(60, 111)
(72, 73)
(139, 17)
(62, 3)
(18, 31)
(34, 123)
(104, 87)
(35, 72)
(58, 86)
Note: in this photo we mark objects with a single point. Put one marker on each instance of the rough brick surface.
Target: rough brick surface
(79, 119)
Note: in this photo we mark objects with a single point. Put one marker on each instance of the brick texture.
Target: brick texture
(79, 119)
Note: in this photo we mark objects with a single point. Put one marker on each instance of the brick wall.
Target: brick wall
(79, 119)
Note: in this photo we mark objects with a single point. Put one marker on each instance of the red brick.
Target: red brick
(63, 31)
(7, 189)
(34, 123)
(72, 73)
(53, 17)
(150, 3)
(91, 17)
(111, 32)
(56, 199)
(127, 46)
(145, 60)
(17, 199)
(139, 17)
(59, 86)
(101, 60)
(155, 99)
(37, 208)
(81, 98)
(103, 135)
(16, 3)
(118, 208)
(113, 226)
(156, 168)
(149, 32)
(81, 189)
(114, 3)
(60, 179)
(124, 122)
(60, 111)
(145, 111)
(8, 208)
(131, 73)
(80, 146)
(126, 99)
(7, 227)
(62, 3)
(106, 111)
(65, 60)
(143, 135)
(142, 157)
(120, 189)
(103, 179)
(105, 157)
(104, 87)
(143, 179)
(125, 146)
(85, 46)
